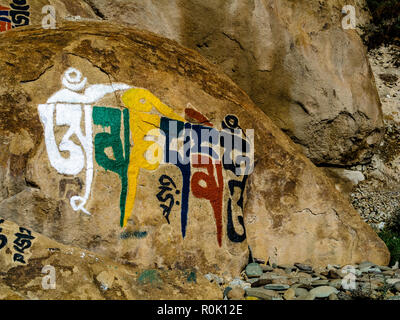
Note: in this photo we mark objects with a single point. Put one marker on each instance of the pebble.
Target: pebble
(261, 282)
(309, 283)
(261, 293)
(289, 294)
(252, 280)
(333, 274)
(365, 264)
(300, 292)
(323, 291)
(303, 267)
(388, 272)
(276, 286)
(305, 281)
(253, 270)
(392, 281)
(333, 296)
(266, 268)
(337, 283)
(304, 275)
(308, 296)
(374, 269)
(320, 283)
(384, 268)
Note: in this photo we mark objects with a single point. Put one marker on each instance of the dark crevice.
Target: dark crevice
(233, 39)
(39, 76)
(95, 10)
(32, 184)
(302, 106)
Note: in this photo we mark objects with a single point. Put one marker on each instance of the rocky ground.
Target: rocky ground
(260, 281)
(373, 188)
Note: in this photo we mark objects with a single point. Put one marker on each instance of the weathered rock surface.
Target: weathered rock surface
(310, 76)
(51, 270)
(351, 282)
(292, 212)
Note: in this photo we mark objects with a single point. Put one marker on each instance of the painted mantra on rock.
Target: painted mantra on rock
(15, 16)
(199, 151)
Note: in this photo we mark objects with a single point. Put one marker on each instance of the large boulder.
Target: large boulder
(78, 105)
(293, 59)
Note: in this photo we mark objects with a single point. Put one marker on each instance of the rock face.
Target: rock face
(89, 119)
(44, 269)
(293, 58)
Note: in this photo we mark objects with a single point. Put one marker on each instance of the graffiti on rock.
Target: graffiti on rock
(69, 106)
(23, 240)
(145, 134)
(15, 16)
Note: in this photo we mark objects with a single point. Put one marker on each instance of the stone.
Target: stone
(396, 286)
(334, 274)
(236, 293)
(317, 283)
(336, 283)
(266, 268)
(304, 275)
(344, 296)
(261, 293)
(261, 282)
(304, 267)
(252, 280)
(304, 281)
(392, 281)
(323, 291)
(253, 270)
(276, 286)
(374, 270)
(286, 266)
(333, 296)
(289, 294)
(57, 194)
(290, 72)
(308, 296)
(365, 264)
(301, 292)
(385, 268)
(282, 281)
